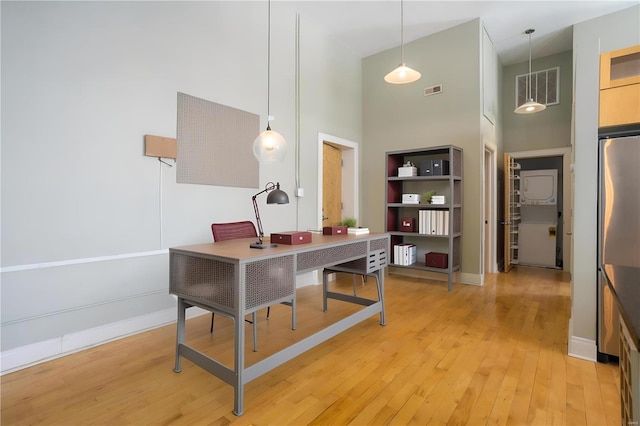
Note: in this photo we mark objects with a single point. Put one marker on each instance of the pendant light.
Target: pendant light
(530, 106)
(403, 74)
(269, 146)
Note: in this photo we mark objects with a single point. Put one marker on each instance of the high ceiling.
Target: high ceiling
(369, 27)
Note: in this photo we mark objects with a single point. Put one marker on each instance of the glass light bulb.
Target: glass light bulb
(269, 147)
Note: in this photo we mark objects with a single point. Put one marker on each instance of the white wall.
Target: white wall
(83, 82)
(590, 38)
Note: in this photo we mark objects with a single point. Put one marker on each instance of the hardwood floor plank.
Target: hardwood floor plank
(490, 355)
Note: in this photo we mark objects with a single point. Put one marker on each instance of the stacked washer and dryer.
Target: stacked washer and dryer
(538, 200)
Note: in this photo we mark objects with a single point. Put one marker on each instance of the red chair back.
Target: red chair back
(233, 230)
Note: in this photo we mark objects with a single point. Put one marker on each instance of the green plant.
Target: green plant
(427, 196)
(349, 222)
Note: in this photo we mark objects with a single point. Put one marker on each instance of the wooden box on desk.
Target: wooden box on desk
(334, 230)
(437, 260)
(291, 237)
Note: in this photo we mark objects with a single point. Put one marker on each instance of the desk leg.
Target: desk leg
(380, 281)
(325, 285)
(238, 323)
(293, 314)
(182, 307)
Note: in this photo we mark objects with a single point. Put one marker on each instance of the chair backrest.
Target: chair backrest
(233, 230)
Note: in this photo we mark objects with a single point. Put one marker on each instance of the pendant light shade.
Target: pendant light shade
(403, 74)
(269, 146)
(530, 106)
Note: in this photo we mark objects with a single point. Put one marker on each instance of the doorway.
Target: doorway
(347, 152)
(559, 159)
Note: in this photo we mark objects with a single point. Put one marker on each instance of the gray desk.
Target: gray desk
(231, 279)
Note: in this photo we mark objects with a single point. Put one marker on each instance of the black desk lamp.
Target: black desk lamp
(276, 196)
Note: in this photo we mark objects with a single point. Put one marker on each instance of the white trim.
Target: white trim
(36, 353)
(492, 149)
(458, 277)
(579, 347)
(470, 279)
(82, 260)
(582, 348)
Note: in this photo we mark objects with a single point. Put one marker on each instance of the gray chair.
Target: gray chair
(243, 229)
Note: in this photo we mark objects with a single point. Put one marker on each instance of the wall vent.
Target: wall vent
(544, 87)
(433, 90)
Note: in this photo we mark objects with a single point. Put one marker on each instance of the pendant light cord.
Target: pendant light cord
(529, 95)
(401, 32)
(269, 67)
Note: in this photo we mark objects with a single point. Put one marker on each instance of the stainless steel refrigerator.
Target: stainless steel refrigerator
(618, 221)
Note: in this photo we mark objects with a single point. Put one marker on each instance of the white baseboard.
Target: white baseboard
(471, 279)
(308, 278)
(458, 277)
(580, 347)
(36, 353)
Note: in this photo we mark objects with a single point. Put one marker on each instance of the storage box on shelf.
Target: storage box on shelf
(436, 227)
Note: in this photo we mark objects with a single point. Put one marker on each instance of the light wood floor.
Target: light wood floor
(489, 355)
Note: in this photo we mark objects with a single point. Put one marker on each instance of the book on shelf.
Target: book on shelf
(405, 254)
(357, 231)
(433, 222)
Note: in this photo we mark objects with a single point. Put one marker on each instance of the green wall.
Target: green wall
(548, 129)
(399, 117)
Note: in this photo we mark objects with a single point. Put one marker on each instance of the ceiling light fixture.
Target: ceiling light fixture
(269, 146)
(403, 74)
(530, 106)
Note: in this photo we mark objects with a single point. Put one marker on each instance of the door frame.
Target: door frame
(350, 173)
(567, 195)
(489, 208)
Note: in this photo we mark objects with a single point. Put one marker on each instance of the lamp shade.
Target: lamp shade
(277, 196)
(401, 75)
(530, 107)
(269, 146)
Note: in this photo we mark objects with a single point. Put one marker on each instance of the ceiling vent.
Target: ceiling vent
(433, 90)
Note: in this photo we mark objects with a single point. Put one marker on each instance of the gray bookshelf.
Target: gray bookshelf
(446, 235)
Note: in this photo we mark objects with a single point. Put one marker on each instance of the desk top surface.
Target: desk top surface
(239, 249)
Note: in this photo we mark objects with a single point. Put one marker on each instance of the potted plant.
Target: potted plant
(349, 222)
(427, 196)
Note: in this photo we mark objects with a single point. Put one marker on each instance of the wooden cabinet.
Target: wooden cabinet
(629, 378)
(620, 87)
(406, 221)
